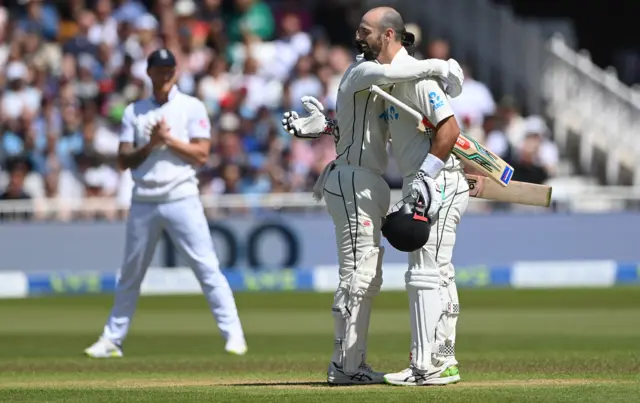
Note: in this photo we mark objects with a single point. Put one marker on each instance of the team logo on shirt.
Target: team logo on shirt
(389, 114)
(435, 101)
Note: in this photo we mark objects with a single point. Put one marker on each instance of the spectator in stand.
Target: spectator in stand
(339, 61)
(514, 123)
(141, 44)
(18, 171)
(214, 85)
(305, 82)
(474, 103)
(524, 162)
(495, 139)
(438, 49)
(40, 16)
(288, 49)
(80, 43)
(19, 96)
(535, 158)
(251, 15)
(105, 28)
(286, 8)
(15, 189)
(210, 16)
(4, 46)
(538, 132)
(128, 10)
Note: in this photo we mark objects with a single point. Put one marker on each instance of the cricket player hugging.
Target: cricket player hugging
(163, 139)
(430, 280)
(356, 194)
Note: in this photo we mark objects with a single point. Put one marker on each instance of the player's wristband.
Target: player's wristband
(330, 127)
(432, 166)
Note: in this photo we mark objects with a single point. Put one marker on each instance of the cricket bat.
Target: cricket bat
(518, 192)
(467, 149)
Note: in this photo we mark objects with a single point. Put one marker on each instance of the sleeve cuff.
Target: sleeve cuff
(432, 166)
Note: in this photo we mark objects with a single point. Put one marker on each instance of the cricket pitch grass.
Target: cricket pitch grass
(513, 346)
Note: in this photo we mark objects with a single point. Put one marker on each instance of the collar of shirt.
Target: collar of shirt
(172, 94)
(400, 56)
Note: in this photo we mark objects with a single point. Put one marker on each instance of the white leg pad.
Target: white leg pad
(425, 310)
(446, 330)
(352, 310)
(365, 307)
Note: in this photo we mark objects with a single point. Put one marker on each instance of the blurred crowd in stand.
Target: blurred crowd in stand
(67, 72)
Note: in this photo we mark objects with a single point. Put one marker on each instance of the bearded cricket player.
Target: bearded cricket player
(356, 194)
(164, 138)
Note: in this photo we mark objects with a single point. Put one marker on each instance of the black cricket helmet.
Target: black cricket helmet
(407, 227)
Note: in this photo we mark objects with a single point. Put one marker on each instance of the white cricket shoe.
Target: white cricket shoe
(414, 377)
(236, 346)
(104, 348)
(365, 376)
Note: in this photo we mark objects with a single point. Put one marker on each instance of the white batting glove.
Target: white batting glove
(310, 127)
(454, 78)
(424, 189)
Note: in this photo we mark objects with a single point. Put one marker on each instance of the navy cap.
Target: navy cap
(161, 58)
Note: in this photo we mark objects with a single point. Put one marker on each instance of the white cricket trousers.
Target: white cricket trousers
(437, 255)
(187, 226)
(357, 200)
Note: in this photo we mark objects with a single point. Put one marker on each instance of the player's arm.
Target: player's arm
(130, 157)
(371, 73)
(196, 151)
(432, 102)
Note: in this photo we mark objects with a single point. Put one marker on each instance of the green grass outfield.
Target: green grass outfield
(513, 346)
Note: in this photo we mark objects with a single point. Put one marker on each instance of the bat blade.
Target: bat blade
(478, 157)
(530, 194)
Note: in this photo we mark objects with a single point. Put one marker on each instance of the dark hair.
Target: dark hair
(408, 39)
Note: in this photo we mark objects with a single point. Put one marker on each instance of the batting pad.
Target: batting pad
(425, 309)
(446, 329)
(352, 310)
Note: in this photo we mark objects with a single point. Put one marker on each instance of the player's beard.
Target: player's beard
(369, 51)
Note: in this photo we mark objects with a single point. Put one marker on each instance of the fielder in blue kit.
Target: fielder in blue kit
(164, 138)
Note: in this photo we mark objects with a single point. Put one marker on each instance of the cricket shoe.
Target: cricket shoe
(104, 348)
(414, 377)
(236, 346)
(365, 376)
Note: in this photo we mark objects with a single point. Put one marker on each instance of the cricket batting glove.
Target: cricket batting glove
(424, 189)
(454, 78)
(312, 126)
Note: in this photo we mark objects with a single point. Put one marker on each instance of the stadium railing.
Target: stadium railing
(594, 105)
(574, 199)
